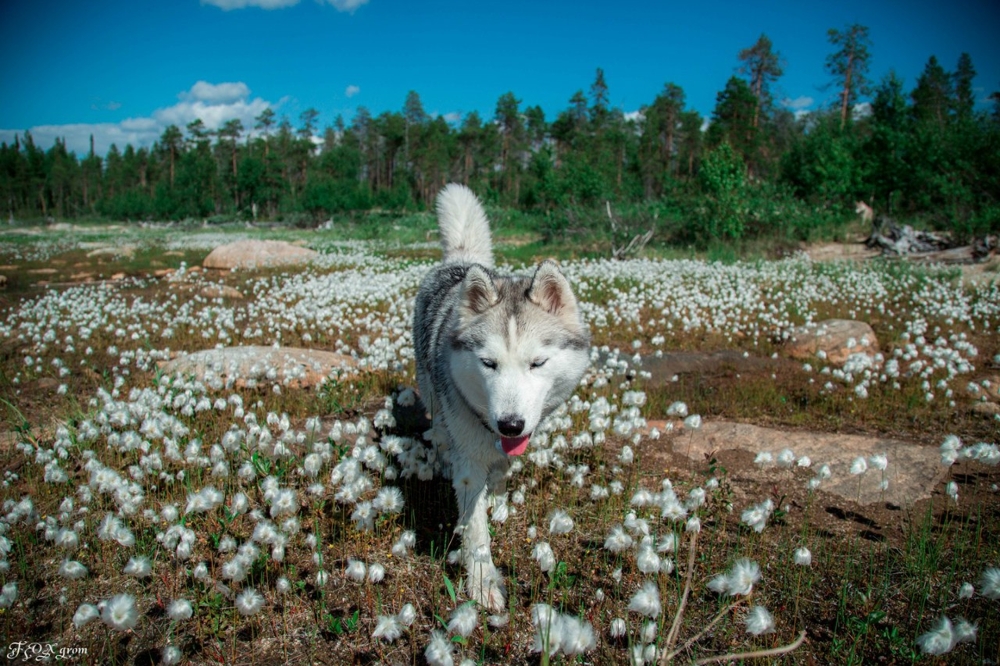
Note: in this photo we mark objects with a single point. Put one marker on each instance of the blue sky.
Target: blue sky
(124, 69)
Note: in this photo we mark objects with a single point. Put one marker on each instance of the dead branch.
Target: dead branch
(774, 652)
(634, 246)
(676, 627)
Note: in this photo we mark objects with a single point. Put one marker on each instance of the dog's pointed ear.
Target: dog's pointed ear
(478, 291)
(550, 290)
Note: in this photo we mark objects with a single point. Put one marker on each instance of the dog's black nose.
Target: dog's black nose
(510, 425)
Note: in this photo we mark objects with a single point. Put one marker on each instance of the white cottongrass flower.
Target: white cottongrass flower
(763, 458)
(678, 409)
(693, 422)
(950, 449)
(646, 601)
(84, 614)
(249, 602)
(878, 461)
(542, 552)
(180, 609)
(407, 614)
(140, 567)
(285, 502)
(648, 632)
(557, 633)
(642, 497)
(757, 515)
(966, 591)
(376, 573)
(647, 561)
(668, 543)
(322, 577)
(464, 620)
(944, 636)
(206, 499)
(803, 557)
(120, 613)
(73, 570)
(560, 522)
(170, 655)
(388, 628)
(407, 540)
(438, 651)
(989, 583)
(785, 458)
(859, 466)
(759, 621)
(618, 540)
(737, 581)
(952, 490)
(617, 628)
(356, 570)
(389, 500)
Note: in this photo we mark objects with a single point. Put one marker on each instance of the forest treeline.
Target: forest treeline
(754, 168)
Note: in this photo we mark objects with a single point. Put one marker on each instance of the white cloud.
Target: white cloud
(635, 116)
(862, 110)
(340, 5)
(216, 93)
(241, 4)
(346, 5)
(77, 136)
(105, 106)
(799, 103)
(351, 91)
(452, 117)
(214, 104)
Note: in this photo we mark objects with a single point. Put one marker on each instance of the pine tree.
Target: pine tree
(849, 65)
(932, 98)
(962, 86)
(761, 66)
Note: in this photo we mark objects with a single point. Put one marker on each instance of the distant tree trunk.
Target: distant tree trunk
(845, 93)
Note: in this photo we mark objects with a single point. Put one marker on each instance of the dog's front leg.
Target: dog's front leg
(483, 583)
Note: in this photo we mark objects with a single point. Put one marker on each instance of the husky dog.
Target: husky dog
(495, 355)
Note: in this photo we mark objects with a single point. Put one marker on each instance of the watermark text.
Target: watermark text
(36, 651)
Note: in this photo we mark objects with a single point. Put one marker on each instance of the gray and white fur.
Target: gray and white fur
(495, 355)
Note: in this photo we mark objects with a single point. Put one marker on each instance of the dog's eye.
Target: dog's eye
(489, 363)
(537, 363)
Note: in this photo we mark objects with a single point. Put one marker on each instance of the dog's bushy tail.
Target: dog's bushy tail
(465, 230)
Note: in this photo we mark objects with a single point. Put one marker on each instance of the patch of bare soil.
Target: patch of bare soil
(856, 251)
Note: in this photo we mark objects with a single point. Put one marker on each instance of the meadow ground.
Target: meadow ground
(155, 519)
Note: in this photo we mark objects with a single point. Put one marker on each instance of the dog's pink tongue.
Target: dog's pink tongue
(515, 446)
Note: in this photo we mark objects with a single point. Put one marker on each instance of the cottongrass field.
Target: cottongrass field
(149, 518)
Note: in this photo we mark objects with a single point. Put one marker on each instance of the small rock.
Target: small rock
(255, 366)
(913, 473)
(257, 254)
(221, 291)
(993, 390)
(46, 383)
(118, 276)
(986, 408)
(837, 338)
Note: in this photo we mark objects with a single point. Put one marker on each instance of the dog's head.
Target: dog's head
(520, 349)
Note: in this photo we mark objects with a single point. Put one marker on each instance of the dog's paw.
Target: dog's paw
(486, 588)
